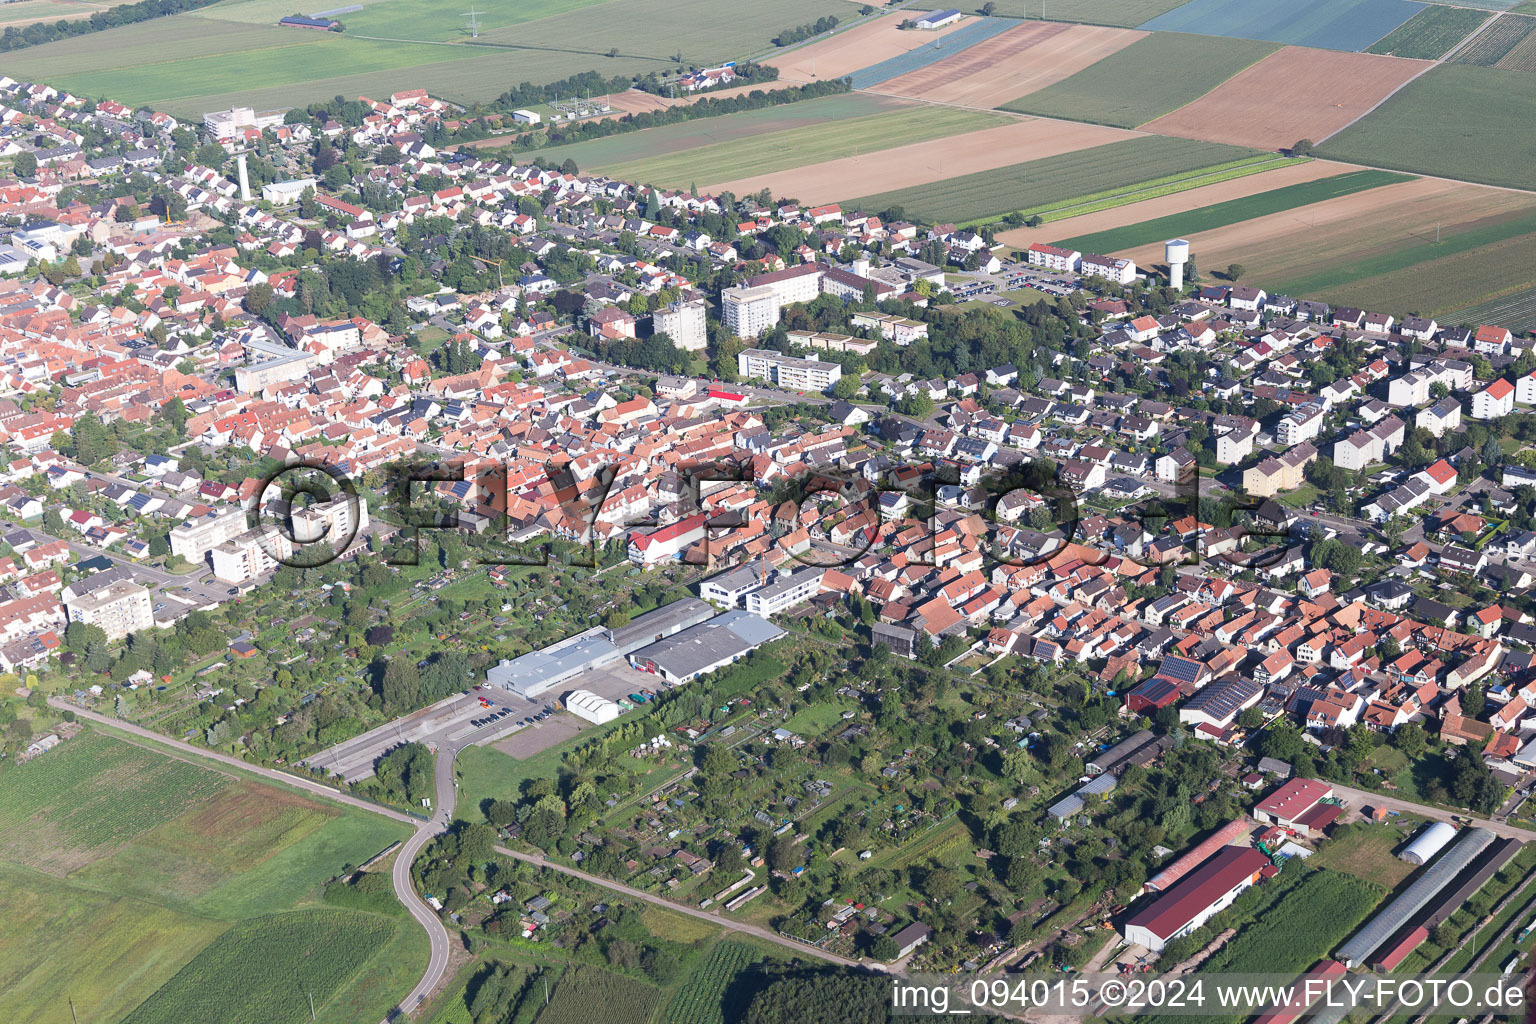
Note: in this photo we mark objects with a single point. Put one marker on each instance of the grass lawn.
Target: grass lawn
(776, 151)
(121, 863)
(1134, 86)
(1304, 495)
(817, 718)
(988, 194)
(1216, 215)
(1437, 119)
(1368, 852)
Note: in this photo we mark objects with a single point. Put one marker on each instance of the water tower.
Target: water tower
(1177, 252)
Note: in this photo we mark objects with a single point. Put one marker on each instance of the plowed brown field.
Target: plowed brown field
(1013, 64)
(1294, 93)
(856, 48)
(922, 162)
(1341, 231)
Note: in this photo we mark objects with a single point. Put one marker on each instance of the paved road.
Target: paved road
(703, 915)
(437, 960)
(1356, 797)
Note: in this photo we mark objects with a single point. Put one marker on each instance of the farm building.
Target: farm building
(1071, 804)
(1430, 841)
(1120, 753)
(1198, 854)
(1400, 911)
(910, 937)
(1291, 802)
(1152, 696)
(300, 21)
(938, 19)
(1197, 897)
(588, 705)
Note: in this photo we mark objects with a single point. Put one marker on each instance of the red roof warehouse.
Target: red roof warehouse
(1290, 803)
(1197, 897)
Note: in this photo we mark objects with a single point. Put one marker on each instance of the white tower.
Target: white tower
(245, 179)
(1177, 252)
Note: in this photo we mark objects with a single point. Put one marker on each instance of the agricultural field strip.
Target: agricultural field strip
(1116, 13)
(1117, 164)
(795, 147)
(1170, 185)
(1233, 211)
(1516, 310)
(1132, 87)
(1495, 42)
(1431, 34)
(931, 53)
(1347, 25)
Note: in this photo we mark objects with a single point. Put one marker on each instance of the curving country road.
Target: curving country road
(425, 831)
(400, 874)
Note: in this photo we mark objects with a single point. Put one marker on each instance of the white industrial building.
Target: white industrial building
(588, 705)
(282, 193)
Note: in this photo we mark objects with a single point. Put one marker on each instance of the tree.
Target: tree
(885, 947)
(1492, 453)
(1473, 702)
(1411, 739)
(1302, 147)
(1235, 271)
(1438, 390)
(24, 166)
(846, 387)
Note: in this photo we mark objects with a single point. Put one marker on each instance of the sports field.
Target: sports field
(904, 166)
(653, 143)
(782, 150)
(1430, 34)
(1031, 56)
(400, 44)
(120, 864)
(1296, 93)
(1329, 24)
(1218, 215)
(1383, 238)
(1434, 123)
(1120, 13)
(976, 197)
(1134, 85)
(1504, 44)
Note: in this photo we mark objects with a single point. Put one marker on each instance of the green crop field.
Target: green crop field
(988, 194)
(1440, 285)
(653, 143)
(584, 988)
(1430, 34)
(1172, 184)
(263, 971)
(1438, 121)
(120, 863)
(1497, 40)
(1120, 13)
(762, 154)
(402, 44)
(1233, 211)
(1517, 311)
(1136, 85)
(701, 997)
(93, 795)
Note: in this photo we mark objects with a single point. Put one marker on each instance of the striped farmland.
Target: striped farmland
(977, 31)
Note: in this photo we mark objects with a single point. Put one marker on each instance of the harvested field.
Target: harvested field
(1328, 24)
(1437, 120)
(970, 32)
(1497, 41)
(1430, 34)
(1233, 211)
(919, 163)
(1169, 206)
(858, 47)
(636, 101)
(1134, 86)
(1326, 245)
(1118, 166)
(1294, 94)
(1020, 61)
